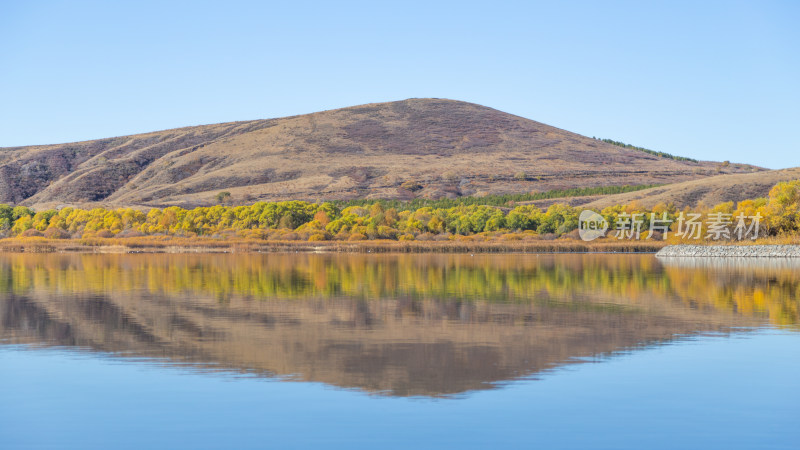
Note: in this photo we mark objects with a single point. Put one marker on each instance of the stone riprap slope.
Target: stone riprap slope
(730, 251)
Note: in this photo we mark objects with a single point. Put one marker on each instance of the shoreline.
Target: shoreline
(184, 245)
(178, 245)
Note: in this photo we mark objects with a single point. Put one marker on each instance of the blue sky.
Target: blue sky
(701, 79)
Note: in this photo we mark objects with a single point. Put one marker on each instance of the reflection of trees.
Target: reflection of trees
(766, 292)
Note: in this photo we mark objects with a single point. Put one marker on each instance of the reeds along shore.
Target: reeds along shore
(473, 244)
(168, 244)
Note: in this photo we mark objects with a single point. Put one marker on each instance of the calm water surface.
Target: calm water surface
(398, 351)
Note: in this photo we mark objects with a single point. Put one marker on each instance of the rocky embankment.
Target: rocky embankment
(731, 251)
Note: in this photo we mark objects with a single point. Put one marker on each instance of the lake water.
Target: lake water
(398, 351)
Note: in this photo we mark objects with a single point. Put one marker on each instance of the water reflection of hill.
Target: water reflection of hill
(396, 324)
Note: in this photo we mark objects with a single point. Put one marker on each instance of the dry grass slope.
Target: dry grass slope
(449, 148)
(709, 191)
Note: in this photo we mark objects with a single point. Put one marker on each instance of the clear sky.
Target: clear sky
(701, 79)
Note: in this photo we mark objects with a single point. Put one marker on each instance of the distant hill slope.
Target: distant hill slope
(443, 147)
(710, 191)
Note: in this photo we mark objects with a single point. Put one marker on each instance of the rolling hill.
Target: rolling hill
(413, 148)
(709, 191)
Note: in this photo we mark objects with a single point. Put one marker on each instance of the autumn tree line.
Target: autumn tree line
(299, 220)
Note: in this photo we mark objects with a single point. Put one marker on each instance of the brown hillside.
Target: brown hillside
(450, 148)
(709, 191)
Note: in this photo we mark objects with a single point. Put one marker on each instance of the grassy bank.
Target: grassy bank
(166, 244)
